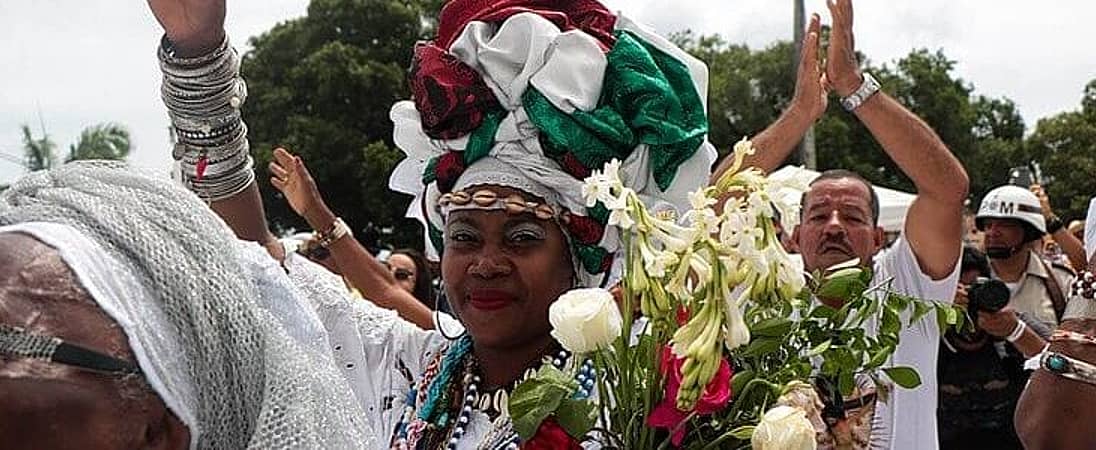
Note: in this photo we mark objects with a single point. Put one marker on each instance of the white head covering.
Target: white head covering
(216, 328)
(527, 52)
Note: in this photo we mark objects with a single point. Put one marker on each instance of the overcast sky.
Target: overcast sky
(82, 62)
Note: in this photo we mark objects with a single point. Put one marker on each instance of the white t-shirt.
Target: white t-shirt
(1090, 229)
(907, 421)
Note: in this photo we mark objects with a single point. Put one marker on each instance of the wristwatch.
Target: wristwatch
(1054, 223)
(867, 89)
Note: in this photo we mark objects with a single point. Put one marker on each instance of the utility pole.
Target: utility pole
(806, 152)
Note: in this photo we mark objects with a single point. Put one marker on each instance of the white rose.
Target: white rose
(784, 428)
(584, 320)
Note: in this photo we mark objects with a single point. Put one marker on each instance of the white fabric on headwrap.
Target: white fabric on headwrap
(221, 334)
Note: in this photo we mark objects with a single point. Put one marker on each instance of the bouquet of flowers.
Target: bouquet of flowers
(714, 338)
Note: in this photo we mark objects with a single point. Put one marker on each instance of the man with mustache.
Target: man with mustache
(839, 223)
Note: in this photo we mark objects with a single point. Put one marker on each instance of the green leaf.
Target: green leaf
(818, 349)
(775, 327)
(823, 312)
(762, 346)
(739, 380)
(846, 382)
(920, 310)
(891, 324)
(743, 433)
(879, 357)
(535, 399)
(842, 284)
(576, 417)
(903, 376)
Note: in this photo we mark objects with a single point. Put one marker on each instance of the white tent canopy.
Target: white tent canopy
(892, 204)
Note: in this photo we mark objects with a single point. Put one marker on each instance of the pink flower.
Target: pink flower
(551, 436)
(715, 396)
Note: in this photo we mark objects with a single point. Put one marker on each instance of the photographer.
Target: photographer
(980, 370)
(1013, 221)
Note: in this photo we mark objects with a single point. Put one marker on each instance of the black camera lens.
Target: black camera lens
(987, 294)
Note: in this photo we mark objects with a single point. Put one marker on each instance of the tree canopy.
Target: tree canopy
(322, 85)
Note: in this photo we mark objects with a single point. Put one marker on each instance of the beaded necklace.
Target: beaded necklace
(431, 425)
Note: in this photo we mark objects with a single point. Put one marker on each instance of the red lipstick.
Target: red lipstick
(490, 299)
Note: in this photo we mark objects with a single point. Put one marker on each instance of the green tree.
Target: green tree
(1065, 146)
(322, 85)
(749, 88)
(38, 153)
(103, 141)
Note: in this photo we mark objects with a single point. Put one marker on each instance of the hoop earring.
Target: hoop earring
(437, 317)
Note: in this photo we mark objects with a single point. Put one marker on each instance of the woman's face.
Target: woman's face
(403, 269)
(55, 406)
(502, 271)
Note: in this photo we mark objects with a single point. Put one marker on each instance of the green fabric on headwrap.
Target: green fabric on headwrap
(647, 97)
(482, 138)
(591, 257)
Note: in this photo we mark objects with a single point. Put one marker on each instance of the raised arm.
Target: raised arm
(195, 28)
(934, 221)
(1070, 245)
(776, 142)
(365, 273)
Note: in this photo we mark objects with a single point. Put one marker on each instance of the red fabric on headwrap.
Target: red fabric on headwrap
(451, 98)
(589, 16)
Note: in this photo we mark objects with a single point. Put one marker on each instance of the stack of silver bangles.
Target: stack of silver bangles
(203, 95)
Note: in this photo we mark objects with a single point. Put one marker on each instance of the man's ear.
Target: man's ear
(880, 238)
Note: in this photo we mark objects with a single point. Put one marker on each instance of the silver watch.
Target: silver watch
(867, 89)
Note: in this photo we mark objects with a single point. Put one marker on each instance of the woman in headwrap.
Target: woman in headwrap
(515, 103)
(130, 317)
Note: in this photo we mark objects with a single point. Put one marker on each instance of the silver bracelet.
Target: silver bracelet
(1067, 367)
(867, 89)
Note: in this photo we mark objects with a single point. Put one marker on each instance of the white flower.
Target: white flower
(584, 320)
(784, 428)
(759, 204)
(619, 213)
(612, 174)
(737, 333)
(744, 147)
(593, 188)
(700, 200)
(655, 261)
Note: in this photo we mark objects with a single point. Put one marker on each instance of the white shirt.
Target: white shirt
(907, 421)
(1090, 229)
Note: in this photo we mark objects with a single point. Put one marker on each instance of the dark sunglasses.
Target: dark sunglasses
(402, 274)
(20, 343)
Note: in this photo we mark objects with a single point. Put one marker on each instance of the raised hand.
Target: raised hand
(193, 26)
(292, 179)
(842, 67)
(810, 85)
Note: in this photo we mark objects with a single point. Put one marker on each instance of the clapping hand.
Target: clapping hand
(810, 85)
(842, 66)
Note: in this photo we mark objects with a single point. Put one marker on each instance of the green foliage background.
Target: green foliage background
(322, 85)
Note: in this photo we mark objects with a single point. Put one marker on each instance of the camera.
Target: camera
(986, 294)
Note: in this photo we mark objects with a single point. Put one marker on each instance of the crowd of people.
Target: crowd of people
(174, 302)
